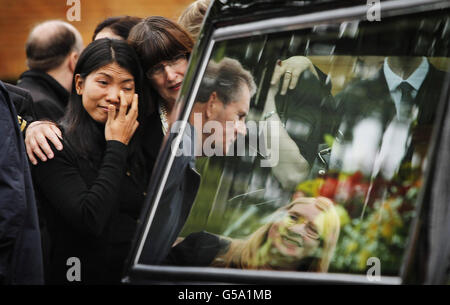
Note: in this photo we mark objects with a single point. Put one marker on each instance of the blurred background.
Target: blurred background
(17, 18)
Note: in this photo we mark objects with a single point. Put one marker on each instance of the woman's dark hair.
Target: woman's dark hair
(80, 130)
(120, 25)
(157, 38)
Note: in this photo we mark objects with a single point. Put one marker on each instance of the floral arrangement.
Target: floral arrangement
(375, 216)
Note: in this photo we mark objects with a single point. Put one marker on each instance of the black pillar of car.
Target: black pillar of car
(427, 258)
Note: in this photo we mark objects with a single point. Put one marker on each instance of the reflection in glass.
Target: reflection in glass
(353, 147)
(300, 236)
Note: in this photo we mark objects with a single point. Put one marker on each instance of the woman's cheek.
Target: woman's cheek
(276, 232)
(311, 245)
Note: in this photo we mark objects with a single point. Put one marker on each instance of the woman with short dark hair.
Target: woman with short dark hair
(163, 48)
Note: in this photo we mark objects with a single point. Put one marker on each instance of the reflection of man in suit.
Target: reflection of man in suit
(416, 80)
(401, 80)
(386, 124)
(405, 91)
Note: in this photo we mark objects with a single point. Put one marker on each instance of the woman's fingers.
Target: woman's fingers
(291, 69)
(133, 112)
(123, 105)
(54, 135)
(286, 81)
(135, 126)
(122, 126)
(277, 73)
(111, 114)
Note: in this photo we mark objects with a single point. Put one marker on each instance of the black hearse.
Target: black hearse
(344, 133)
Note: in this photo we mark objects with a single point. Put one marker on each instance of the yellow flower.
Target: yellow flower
(310, 187)
(363, 257)
(351, 247)
(343, 215)
(372, 230)
(387, 230)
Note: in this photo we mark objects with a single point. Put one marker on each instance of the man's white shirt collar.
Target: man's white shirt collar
(415, 79)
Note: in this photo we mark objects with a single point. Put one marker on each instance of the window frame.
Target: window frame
(197, 65)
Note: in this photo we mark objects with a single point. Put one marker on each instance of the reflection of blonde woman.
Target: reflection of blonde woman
(302, 236)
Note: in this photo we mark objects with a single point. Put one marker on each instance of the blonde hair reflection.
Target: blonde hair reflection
(192, 17)
(257, 251)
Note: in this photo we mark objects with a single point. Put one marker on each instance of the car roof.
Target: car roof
(235, 10)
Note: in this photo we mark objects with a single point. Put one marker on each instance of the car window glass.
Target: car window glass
(327, 176)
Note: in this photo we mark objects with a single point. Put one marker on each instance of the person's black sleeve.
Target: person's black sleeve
(323, 79)
(22, 101)
(86, 209)
(12, 199)
(197, 249)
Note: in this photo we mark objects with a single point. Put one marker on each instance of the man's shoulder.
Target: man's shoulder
(18, 91)
(37, 87)
(22, 100)
(374, 87)
(437, 76)
(38, 83)
(49, 97)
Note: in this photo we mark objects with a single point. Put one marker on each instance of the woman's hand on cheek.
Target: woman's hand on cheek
(121, 126)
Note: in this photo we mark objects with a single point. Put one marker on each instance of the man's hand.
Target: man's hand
(36, 140)
(291, 68)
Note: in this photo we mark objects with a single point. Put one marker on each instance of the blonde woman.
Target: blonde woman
(191, 18)
(300, 236)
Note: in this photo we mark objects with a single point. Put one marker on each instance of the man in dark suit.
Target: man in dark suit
(52, 49)
(402, 99)
(20, 243)
(401, 81)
